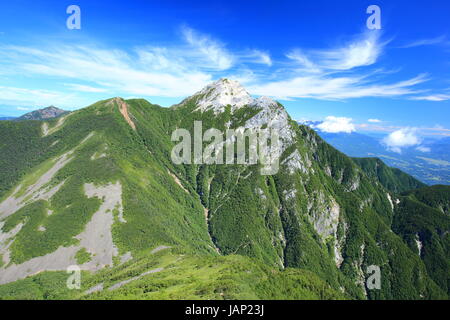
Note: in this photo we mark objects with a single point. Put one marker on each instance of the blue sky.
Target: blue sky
(316, 57)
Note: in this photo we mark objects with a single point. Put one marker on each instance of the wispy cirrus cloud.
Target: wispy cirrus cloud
(423, 149)
(364, 50)
(426, 42)
(210, 53)
(84, 88)
(432, 97)
(178, 70)
(336, 87)
(171, 71)
(145, 71)
(23, 97)
(304, 63)
(338, 73)
(437, 130)
(257, 56)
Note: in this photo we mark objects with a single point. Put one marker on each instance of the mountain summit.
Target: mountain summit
(225, 97)
(221, 93)
(43, 114)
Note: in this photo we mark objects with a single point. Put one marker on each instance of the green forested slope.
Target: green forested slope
(437, 197)
(392, 179)
(161, 211)
(421, 221)
(321, 213)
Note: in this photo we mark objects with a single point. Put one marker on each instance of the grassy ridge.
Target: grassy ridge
(183, 277)
(173, 217)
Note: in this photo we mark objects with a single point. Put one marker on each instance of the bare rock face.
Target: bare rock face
(217, 95)
(274, 116)
(230, 93)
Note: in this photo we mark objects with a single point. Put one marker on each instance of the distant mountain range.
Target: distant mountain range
(431, 165)
(40, 114)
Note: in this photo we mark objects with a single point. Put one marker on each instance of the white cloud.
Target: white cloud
(23, 109)
(423, 149)
(435, 97)
(209, 49)
(363, 51)
(21, 97)
(147, 72)
(175, 71)
(334, 124)
(260, 57)
(84, 88)
(334, 88)
(335, 74)
(182, 69)
(426, 42)
(437, 130)
(374, 120)
(306, 65)
(402, 138)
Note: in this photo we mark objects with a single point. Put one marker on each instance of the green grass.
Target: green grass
(83, 256)
(184, 277)
(44, 286)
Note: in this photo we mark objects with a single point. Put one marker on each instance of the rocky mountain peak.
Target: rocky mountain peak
(221, 93)
(43, 114)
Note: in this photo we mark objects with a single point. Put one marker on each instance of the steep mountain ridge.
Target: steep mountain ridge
(320, 212)
(392, 179)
